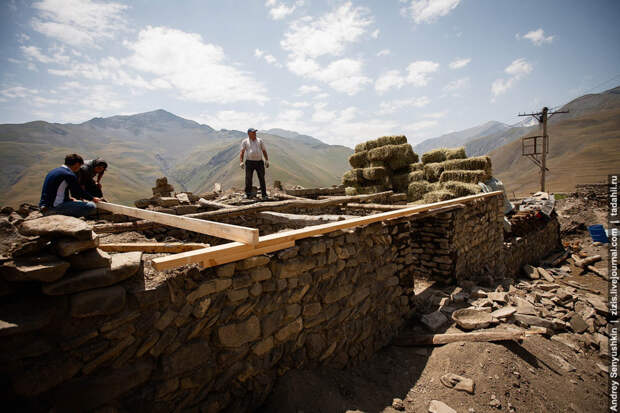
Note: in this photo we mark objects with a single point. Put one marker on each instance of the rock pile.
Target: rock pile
(162, 188)
(446, 174)
(59, 255)
(379, 165)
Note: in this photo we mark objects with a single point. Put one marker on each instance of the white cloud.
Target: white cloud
(57, 56)
(420, 125)
(269, 58)
(389, 107)
(321, 114)
(78, 22)
(17, 92)
(375, 34)
(457, 85)
(517, 69)
(237, 120)
(300, 104)
(427, 11)
(278, 11)
(435, 115)
(344, 75)
(459, 63)
(388, 80)
(320, 96)
(328, 35)
(384, 52)
(198, 70)
(258, 53)
(305, 89)
(537, 37)
(418, 72)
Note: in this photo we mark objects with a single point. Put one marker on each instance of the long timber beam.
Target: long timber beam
(216, 229)
(209, 257)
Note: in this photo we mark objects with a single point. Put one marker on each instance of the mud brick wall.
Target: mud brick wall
(531, 248)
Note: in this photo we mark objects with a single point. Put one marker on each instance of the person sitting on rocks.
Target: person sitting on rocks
(55, 197)
(86, 176)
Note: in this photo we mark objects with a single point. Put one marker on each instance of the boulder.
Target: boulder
(166, 201)
(436, 406)
(90, 259)
(57, 226)
(101, 301)
(69, 246)
(531, 272)
(123, 266)
(46, 268)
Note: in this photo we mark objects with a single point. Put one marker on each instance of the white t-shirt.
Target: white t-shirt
(253, 149)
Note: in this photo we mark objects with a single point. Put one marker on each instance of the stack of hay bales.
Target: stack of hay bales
(379, 165)
(446, 174)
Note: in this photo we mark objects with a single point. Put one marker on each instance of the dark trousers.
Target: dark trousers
(259, 167)
(92, 189)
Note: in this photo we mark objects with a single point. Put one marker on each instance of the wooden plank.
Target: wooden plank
(216, 229)
(376, 207)
(216, 256)
(446, 338)
(152, 247)
(232, 248)
(301, 220)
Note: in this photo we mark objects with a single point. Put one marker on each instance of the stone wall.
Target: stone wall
(217, 339)
(531, 248)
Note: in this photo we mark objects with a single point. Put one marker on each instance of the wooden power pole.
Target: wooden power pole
(532, 147)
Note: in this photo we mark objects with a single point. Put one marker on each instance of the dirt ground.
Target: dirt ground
(538, 374)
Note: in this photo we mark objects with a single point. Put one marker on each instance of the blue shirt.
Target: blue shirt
(56, 187)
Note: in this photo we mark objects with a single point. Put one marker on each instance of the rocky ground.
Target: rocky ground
(560, 367)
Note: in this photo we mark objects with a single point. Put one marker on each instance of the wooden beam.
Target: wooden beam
(217, 255)
(281, 238)
(216, 229)
(375, 207)
(446, 338)
(301, 220)
(152, 247)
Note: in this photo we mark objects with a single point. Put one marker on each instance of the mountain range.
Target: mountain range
(584, 147)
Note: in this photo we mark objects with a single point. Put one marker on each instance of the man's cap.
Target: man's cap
(252, 130)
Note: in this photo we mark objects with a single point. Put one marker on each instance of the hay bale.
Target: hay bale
(371, 189)
(400, 182)
(434, 186)
(438, 196)
(437, 155)
(418, 166)
(359, 159)
(472, 177)
(350, 191)
(455, 153)
(460, 189)
(432, 171)
(416, 176)
(383, 153)
(374, 174)
(391, 140)
(353, 177)
(402, 156)
(416, 190)
(376, 164)
(366, 146)
(475, 163)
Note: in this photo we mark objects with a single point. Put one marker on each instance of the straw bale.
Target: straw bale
(437, 196)
(391, 140)
(472, 177)
(418, 166)
(416, 190)
(350, 191)
(475, 163)
(432, 171)
(455, 153)
(365, 146)
(416, 176)
(402, 156)
(437, 155)
(461, 188)
(383, 153)
(353, 177)
(371, 189)
(400, 182)
(377, 164)
(359, 159)
(374, 174)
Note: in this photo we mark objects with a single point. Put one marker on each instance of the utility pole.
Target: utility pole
(532, 149)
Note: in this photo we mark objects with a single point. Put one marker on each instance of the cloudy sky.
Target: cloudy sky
(342, 71)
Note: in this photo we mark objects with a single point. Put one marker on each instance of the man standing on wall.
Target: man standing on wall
(254, 148)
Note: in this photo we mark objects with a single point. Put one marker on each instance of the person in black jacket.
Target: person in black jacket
(88, 172)
(55, 197)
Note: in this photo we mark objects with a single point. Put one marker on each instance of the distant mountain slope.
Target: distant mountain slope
(459, 138)
(142, 147)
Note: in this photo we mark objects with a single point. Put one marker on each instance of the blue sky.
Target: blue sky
(342, 71)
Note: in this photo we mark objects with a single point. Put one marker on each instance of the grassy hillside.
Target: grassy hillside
(581, 150)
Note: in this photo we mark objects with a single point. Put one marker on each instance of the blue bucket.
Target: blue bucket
(597, 232)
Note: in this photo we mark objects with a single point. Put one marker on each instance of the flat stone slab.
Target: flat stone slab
(101, 301)
(437, 406)
(434, 320)
(123, 266)
(69, 246)
(504, 312)
(46, 268)
(26, 315)
(90, 259)
(57, 226)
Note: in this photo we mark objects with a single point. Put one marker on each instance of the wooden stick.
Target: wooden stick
(284, 205)
(438, 339)
(123, 227)
(598, 272)
(212, 204)
(207, 261)
(152, 247)
(561, 258)
(586, 261)
(217, 229)
(376, 207)
(419, 211)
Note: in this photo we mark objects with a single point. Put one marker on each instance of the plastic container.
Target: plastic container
(598, 234)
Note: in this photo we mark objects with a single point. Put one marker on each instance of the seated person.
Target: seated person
(55, 193)
(86, 176)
